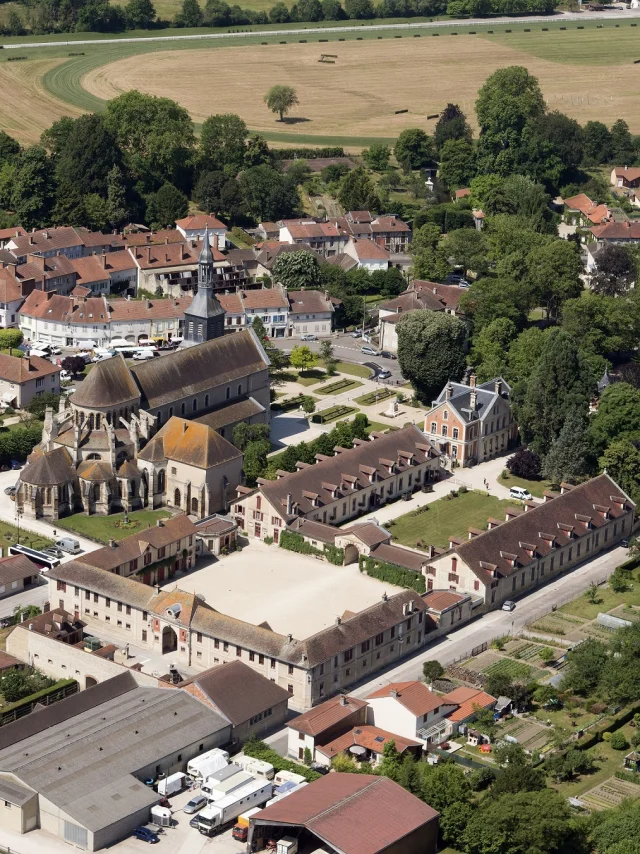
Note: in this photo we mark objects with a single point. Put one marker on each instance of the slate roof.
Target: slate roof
(215, 526)
(198, 368)
(190, 442)
(315, 530)
(108, 384)
(363, 814)
(325, 716)
(49, 469)
(491, 551)
(486, 397)
(349, 463)
(413, 301)
(241, 410)
(398, 556)
(238, 691)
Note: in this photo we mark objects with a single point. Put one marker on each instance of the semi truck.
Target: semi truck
(203, 766)
(224, 781)
(222, 813)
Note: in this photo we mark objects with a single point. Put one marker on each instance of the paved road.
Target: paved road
(458, 643)
(621, 13)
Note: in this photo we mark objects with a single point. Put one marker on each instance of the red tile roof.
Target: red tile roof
(15, 231)
(153, 238)
(198, 222)
(10, 290)
(20, 370)
(618, 231)
(465, 191)
(440, 600)
(371, 737)
(594, 212)
(368, 250)
(144, 309)
(90, 269)
(54, 307)
(326, 715)
(626, 172)
(353, 813)
(414, 696)
(467, 700)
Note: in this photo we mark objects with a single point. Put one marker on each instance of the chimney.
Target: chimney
(30, 627)
(497, 386)
(448, 391)
(103, 261)
(290, 636)
(112, 543)
(147, 254)
(473, 399)
(159, 523)
(393, 693)
(289, 504)
(157, 589)
(472, 381)
(343, 700)
(385, 598)
(338, 621)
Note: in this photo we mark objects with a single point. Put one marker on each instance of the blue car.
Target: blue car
(146, 834)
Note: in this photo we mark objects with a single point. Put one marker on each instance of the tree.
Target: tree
(9, 148)
(432, 670)
(509, 99)
(488, 299)
(597, 143)
(40, 402)
(431, 350)
(308, 405)
(308, 757)
(15, 686)
(166, 206)
(117, 209)
(622, 461)
(457, 163)
(564, 137)
(358, 192)
(451, 126)
(616, 271)
(257, 151)
(88, 155)
(391, 760)
(585, 664)
(618, 830)
(223, 142)
(296, 270)
(279, 14)
(268, 194)
(554, 274)
(617, 416)
(10, 338)
(466, 248)
(377, 156)
(244, 434)
(157, 136)
(414, 148)
(302, 358)
(73, 364)
(255, 460)
(327, 356)
(33, 188)
(524, 463)
(524, 352)
(623, 150)
(498, 685)
(280, 99)
(332, 10)
(561, 383)
(139, 14)
(603, 325)
(491, 346)
(618, 581)
(190, 14)
(359, 9)
(444, 785)
(592, 593)
(570, 457)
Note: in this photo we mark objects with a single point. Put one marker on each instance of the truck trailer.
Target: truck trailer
(203, 766)
(224, 812)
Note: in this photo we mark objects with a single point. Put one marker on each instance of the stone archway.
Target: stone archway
(350, 553)
(169, 640)
(90, 681)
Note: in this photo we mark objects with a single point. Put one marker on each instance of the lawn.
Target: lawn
(434, 523)
(310, 377)
(353, 369)
(375, 396)
(535, 487)
(9, 536)
(103, 528)
(607, 600)
(339, 387)
(609, 762)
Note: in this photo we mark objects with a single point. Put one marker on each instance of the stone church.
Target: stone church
(157, 433)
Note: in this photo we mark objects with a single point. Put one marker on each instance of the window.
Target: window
(364, 647)
(392, 633)
(199, 637)
(379, 639)
(107, 602)
(216, 643)
(347, 656)
(252, 656)
(445, 415)
(128, 610)
(455, 433)
(434, 427)
(225, 647)
(290, 670)
(144, 635)
(119, 606)
(444, 429)
(273, 664)
(238, 651)
(290, 689)
(261, 659)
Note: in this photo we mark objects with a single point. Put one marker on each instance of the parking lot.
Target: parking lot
(294, 593)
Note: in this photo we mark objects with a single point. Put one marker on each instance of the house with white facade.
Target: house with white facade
(22, 379)
(368, 254)
(310, 311)
(193, 228)
(323, 237)
(12, 295)
(243, 306)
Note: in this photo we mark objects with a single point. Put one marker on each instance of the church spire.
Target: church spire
(204, 319)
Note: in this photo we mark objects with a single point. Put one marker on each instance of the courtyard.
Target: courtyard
(294, 593)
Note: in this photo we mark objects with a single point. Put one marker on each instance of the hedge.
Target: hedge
(595, 735)
(260, 750)
(393, 574)
(632, 563)
(296, 543)
(629, 776)
(291, 402)
(12, 711)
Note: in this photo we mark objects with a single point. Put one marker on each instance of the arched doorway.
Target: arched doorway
(350, 554)
(169, 640)
(89, 682)
(176, 498)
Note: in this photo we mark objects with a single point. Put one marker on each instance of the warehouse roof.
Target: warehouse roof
(82, 753)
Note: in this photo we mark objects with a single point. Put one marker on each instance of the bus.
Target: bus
(41, 559)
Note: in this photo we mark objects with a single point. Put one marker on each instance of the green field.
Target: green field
(447, 518)
(535, 487)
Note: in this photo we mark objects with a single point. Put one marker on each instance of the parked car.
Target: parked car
(387, 355)
(356, 333)
(508, 605)
(384, 374)
(10, 490)
(624, 543)
(195, 804)
(69, 544)
(520, 493)
(15, 465)
(369, 351)
(146, 834)
(308, 337)
(463, 283)
(319, 769)
(54, 551)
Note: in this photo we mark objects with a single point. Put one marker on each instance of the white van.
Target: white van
(144, 353)
(69, 544)
(520, 493)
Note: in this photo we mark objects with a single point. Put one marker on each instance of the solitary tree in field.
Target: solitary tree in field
(280, 99)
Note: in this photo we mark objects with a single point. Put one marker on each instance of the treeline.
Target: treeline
(54, 16)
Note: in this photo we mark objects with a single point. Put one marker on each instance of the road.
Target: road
(485, 628)
(303, 31)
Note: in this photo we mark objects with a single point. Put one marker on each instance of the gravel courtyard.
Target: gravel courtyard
(293, 593)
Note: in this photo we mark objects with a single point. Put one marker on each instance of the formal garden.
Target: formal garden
(115, 526)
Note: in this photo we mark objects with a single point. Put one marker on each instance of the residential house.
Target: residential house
(267, 254)
(147, 319)
(269, 304)
(47, 242)
(470, 424)
(59, 625)
(388, 231)
(323, 723)
(624, 233)
(366, 743)
(310, 311)
(47, 273)
(172, 267)
(16, 573)
(217, 534)
(323, 237)
(420, 295)
(150, 555)
(341, 487)
(368, 254)
(192, 467)
(468, 701)
(268, 231)
(580, 210)
(118, 269)
(66, 321)
(6, 234)
(12, 295)
(625, 177)
(91, 273)
(22, 379)
(535, 544)
(253, 704)
(193, 228)
(349, 814)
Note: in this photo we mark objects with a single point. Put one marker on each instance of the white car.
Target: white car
(308, 337)
(369, 351)
(384, 374)
(65, 376)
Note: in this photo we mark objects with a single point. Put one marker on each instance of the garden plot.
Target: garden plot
(609, 794)
(559, 623)
(479, 663)
(515, 670)
(532, 653)
(529, 734)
